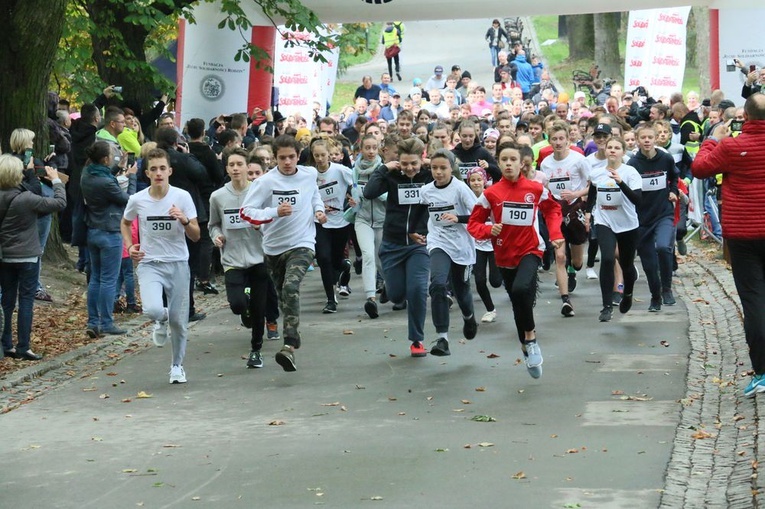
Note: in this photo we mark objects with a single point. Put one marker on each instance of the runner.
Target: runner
(241, 247)
(403, 253)
(451, 248)
(614, 193)
(369, 219)
(331, 237)
(286, 202)
(166, 215)
(568, 174)
(656, 214)
(484, 254)
(470, 153)
(517, 244)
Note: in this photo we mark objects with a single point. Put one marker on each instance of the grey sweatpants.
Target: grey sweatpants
(172, 278)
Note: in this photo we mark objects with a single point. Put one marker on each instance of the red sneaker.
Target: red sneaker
(418, 349)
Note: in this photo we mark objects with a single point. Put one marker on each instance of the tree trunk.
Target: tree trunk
(562, 27)
(28, 44)
(701, 60)
(581, 40)
(606, 27)
(55, 251)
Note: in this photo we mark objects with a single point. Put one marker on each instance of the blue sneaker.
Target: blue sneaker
(534, 359)
(756, 384)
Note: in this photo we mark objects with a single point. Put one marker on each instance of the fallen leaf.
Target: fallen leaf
(129, 470)
(480, 389)
(196, 498)
(465, 401)
(144, 395)
(97, 439)
(336, 403)
(347, 332)
(392, 355)
(392, 398)
(171, 446)
(492, 356)
(553, 436)
(617, 393)
(458, 409)
(519, 475)
(572, 451)
(664, 344)
(89, 389)
(103, 396)
(402, 413)
(485, 444)
(701, 435)
(430, 398)
(276, 423)
(127, 400)
(343, 408)
(467, 446)
(442, 450)
(112, 373)
(483, 418)
(375, 498)
(517, 361)
(360, 386)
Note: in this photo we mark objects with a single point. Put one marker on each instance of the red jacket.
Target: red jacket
(741, 160)
(515, 242)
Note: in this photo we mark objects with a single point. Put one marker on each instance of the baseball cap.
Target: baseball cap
(438, 70)
(396, 94)
(602, 129)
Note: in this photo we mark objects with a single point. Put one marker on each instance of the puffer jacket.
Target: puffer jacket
(741, 160)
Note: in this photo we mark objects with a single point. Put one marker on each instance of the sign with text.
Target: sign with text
(655, 55)
(740, 40)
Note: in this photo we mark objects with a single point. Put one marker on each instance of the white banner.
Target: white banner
(655, 55)
(740, 38)
(302, 81)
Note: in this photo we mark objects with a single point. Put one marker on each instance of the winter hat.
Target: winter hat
(480, 171)
(491, 133)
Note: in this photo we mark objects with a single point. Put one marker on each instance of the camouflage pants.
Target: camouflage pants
(287, 271)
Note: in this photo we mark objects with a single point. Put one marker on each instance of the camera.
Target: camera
(116, 89)
(27, 157)
(131, 159)
(736, 125)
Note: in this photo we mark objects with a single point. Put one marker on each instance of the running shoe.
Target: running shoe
(255, 360)
(605, 314)
(655, 305)
(682, 247)
(567, 309)
(207, 288)
(160, 334)
(384, 295)
(418, 349)
(534, 359)
(42, 295)
(571, 280)
(616, 300)
(344, 291)
(177, 375)
(756, 384)
(286, 359)
(370, 307)
(470, 327)
(591, 274)
(331, 307)
(489, 316)
(398, 75)
(357, 266)
(668, 298)
(197, 316)
(626, 304)
(272, 331)
(398, 307)
(440, 348)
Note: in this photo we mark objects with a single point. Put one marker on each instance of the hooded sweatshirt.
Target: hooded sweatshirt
(244, 242)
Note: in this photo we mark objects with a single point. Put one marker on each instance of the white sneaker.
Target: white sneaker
(343, 291)
(489, 316)
(591, 274)
(534, 359)
(177, 375)
(160, 334)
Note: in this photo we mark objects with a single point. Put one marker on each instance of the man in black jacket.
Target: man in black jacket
(189, 175)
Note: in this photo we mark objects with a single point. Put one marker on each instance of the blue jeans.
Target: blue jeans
(127, 277)
(105, 260)
(656, 248)
(443, 273)
(18, 279)
(494, 50)
(406, 278)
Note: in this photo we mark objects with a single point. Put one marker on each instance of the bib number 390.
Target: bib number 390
(161, 226)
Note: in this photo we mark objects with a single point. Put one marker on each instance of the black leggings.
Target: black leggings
(330, 253)
(256, 279)
(484, 260)
(627, 242)
(521, 286)
(390, 66)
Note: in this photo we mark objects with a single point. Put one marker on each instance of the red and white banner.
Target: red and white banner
(655, 55)
(302, 81)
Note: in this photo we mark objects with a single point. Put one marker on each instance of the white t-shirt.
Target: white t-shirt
(612, 208)
(458, 199)
(163, 239)
(569, 174)
(281, 234)
(333, 186)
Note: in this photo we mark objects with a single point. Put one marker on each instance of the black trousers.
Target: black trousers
(747, 259)
(485, 260)
(256, 279)
(521, 286)
(627, 242)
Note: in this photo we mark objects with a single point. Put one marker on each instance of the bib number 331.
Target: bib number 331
(409, 194)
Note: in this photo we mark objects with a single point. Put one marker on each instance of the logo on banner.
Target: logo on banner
(212, 87)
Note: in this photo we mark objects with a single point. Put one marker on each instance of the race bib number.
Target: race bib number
(161, 226)
(409, 194)
(559, 184)
(437, 215)
(232, 220)
(654, 181)
(465, 168)
(609, 196)
(517, 214)
(361, 186)
(289, 197)
(329, 191)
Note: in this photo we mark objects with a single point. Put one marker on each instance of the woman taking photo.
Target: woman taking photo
(105, 202)
(20, 245)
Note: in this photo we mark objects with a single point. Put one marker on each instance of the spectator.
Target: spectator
(21, 249)
(526, 76)
(105, 205)
(368, 90)
(744, 231)
(438, 80)
(494, 36)
(385, 85)
(390, 112)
